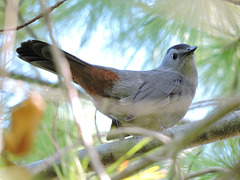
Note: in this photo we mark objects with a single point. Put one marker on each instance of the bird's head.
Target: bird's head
(179, 58)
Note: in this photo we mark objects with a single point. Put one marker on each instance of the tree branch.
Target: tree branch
(29, 30)
(235, 2)
(226, 127)
(205, 171)
(32, 80)
(41, 15)
(49, 91)
(182, 140)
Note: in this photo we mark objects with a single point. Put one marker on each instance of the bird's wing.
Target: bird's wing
(159, 88)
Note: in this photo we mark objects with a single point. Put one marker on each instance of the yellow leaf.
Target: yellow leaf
(151, 173)
(148, 174)
(24, 123)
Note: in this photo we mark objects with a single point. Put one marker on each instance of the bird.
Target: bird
(154, 99)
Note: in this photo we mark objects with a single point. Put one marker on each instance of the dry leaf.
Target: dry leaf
(24, 123)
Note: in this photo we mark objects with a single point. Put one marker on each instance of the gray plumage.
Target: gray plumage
(154, 99)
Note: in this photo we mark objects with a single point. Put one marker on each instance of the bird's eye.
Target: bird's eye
(174, 56)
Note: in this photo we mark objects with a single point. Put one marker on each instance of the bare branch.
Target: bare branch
(7, 48)
(137, 131)
(63, 68)
(209, 102)
(49, 91)
(54, 131)
(41, 15)
(235, 2)
(32, 80)
(183, 140)
(46, 167)
(195, 157)
(205, 171)
(226, 127)
(29, 30)
(96, 127)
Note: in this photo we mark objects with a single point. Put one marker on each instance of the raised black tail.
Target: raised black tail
(39, 54)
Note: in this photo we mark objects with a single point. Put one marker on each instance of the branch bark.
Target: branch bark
(226, 127)
(41, 15)
(235, 2)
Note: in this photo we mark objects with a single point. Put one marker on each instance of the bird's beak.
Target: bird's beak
(191, 50)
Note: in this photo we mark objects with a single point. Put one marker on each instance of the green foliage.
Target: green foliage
(56, 120)
(220, 64)
(153, 26)
(129, 154)
(220, 154)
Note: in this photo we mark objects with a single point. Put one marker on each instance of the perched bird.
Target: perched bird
(154, 99)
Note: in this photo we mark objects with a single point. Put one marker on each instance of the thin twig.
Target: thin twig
(50, 137)
(208, 102)
(205, 171)
(30, 79)
(235, 2)
(195, 157)
(41, 15)
(64, 70)
(96, 127)
(43, 165)
(29, 30)
(48, 89)
(54, 131)
(7, 48)
(137, 131)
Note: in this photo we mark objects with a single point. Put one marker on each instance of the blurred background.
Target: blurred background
(133, 35)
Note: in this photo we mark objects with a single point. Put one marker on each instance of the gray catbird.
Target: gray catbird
(154, 99)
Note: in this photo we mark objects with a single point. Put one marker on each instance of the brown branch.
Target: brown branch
(183, 140)
(225, 128)
(235, 2)
(29, 30)
(41, 15)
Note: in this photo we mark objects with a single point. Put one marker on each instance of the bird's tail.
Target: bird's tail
(94, 79)
(39, 54)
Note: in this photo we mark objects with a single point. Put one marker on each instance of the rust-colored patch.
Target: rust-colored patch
(94, 80)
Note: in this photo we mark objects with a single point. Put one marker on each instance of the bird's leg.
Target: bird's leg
(117, 124)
